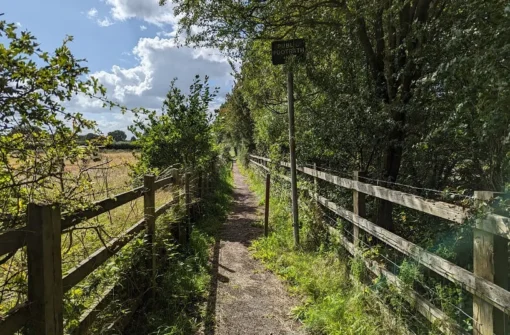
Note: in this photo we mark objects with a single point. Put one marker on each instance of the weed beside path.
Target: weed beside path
(318, 273)
(180, 306)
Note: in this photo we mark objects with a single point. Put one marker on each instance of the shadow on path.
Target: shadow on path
(240, 227)
(244, 297)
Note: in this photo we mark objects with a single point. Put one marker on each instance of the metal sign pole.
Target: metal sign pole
(292, 144)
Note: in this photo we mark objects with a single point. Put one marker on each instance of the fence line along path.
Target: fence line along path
(42, 313)
(488, 283)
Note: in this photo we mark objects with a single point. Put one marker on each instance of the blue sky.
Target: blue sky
(128, 45)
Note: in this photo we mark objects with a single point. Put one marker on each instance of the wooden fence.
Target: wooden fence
(489, 281)
(42, 313)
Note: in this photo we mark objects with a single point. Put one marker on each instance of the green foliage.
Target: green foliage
(409, 273)
(331, 303)
(122, 146)
(184, 282)
(411, 91)
(38, 136)
(358, 269)
(234, 123)
(118, 135)
(181, 133)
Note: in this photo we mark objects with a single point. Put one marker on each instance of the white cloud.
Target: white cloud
(145, 84)
(105, 22)
(156, 60)
(147, 10)
(92, 13)
(18, 24)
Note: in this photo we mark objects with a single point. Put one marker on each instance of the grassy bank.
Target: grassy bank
(181, 299)
(318, 271)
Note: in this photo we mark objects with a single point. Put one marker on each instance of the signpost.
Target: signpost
(281, 51)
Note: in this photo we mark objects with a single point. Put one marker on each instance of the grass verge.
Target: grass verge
(318, 271)
(180, 303)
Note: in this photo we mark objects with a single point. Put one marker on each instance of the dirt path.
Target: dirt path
(245, 298)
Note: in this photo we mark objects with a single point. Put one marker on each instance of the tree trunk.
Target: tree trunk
(391, 168)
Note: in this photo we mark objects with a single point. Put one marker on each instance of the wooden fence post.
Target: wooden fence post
(175, 175)
(188, 205)
(358, 209)
(266, 213)
(315, 181)
(149, 204)
(483, 265)
(490, 262)
(45, 292)
(501, 326)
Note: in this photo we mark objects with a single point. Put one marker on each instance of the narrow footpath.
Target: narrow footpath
(246, 298)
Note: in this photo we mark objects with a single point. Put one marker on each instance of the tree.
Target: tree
(237, 122)
(181, 133)
(381, 72)
(91, 136)
(38, 136)
(118, 135)
(133, 139)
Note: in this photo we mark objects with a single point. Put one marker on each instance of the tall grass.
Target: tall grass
(318, 271)
(184, 281)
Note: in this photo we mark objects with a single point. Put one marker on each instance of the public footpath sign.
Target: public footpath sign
(281, 50)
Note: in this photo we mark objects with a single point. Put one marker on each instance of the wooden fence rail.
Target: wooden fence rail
(488, 283)
(42, 314)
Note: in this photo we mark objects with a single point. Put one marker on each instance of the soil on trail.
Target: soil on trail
(245, 298)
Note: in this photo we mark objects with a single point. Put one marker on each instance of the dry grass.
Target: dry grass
(110, 176)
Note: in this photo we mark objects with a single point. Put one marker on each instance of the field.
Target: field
(107, 177)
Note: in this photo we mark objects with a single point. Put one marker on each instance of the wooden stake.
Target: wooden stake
(358, 209)
(149, 202)
(315, 180)
(45, 292)
(501, 326)
(266, 213)
(292, 146)
(483, 264)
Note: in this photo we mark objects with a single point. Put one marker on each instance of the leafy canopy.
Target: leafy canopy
(181, 132)
(38, 136)
(118, 135)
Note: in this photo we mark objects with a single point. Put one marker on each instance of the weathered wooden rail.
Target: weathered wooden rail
(489, 281)
(42, 313)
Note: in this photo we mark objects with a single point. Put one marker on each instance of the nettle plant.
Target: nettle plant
(38, 135)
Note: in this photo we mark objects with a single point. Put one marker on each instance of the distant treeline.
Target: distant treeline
(117, 145)
(119, 140)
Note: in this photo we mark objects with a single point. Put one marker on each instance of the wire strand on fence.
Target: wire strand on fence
(380, 181)
(425, 286)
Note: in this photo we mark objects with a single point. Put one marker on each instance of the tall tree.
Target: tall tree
(237, 120)
(118, 135)
(388, 62)
(181, 133)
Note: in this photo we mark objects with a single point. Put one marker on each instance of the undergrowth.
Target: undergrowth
(318, 272)
(179, 306)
